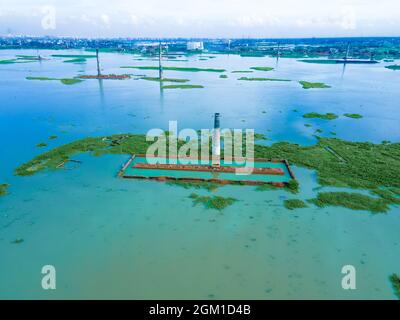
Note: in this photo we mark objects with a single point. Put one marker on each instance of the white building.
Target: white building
(195, 45)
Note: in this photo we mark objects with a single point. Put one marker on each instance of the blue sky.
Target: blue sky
(200, 18)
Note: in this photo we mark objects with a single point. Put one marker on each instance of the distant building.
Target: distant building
(195, 45)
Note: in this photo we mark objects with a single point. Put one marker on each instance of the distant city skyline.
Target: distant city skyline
(200, 19)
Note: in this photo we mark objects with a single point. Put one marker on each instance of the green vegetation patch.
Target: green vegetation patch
(354, 201)
(393, 67)
(320, 61)
(324, 116)
(313, 85)
(353, 115)
(395, 281)
(74, 56)
(183, 86)
(223, 76)
(292, 204)
(3, 189)
(12, 61)
(157, 79)
(53, 137)
(70, 81)
(194, 185)
(176, 69)
(41, 145)
(338, 163)
(262, 79)
(242, 71)
(212, 202)
(76, 60)
(67, 81)
(262, 68)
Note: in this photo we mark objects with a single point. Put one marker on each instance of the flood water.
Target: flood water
(131, 239)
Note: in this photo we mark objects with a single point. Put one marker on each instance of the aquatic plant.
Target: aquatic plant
(353, 115)
(3, 189)
(320, 61)
(157, 79)
(184, 69)
(223, 76)
(53, 137)
(182, 86)
(195, 185)
(70, 81)
(76, 60)
(12, 61)
(262, 68)
(66, 81)
(74, 56)
(242, 71)
(292, 186)
(212, 202)
(311, 85)
(41, 145)
(17, 241)
(326, 116)
(395, 281)
(262, 79)
(351, 200)
(292, 204)
(393, 67)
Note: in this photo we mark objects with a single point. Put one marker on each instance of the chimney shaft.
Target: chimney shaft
(216, 156)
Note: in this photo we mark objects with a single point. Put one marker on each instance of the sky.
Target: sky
(200, 18)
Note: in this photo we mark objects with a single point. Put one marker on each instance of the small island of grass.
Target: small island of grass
(319, 61)
(262, 79)
(212, 202)
(324, 116)
(393, 67)
(395, 281)
(223, 76)
(41, 145)
(184, 69)
(3, 189)
(242, 71)
(262, 68)
(157, 79)
(209, 186)
(351, 200)
(183, 86)
(353, 115)
(313, 85)
(292, 204)
(66, 81)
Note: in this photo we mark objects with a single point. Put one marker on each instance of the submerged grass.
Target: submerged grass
(320, 61)
(262, 79)
(313, 85)
(3, 189)
(157, 79)
(67, 81)
(292, 204)
(324, 116)
(194, 185)
(182, 86)
(353, 115)
(184, 69)
(262, 68)
(395, 281)
(212, 202)
(351, 200)
(74, 56)
(393, 67)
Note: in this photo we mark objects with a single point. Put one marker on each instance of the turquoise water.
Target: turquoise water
(130, 171)
(117, 238)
